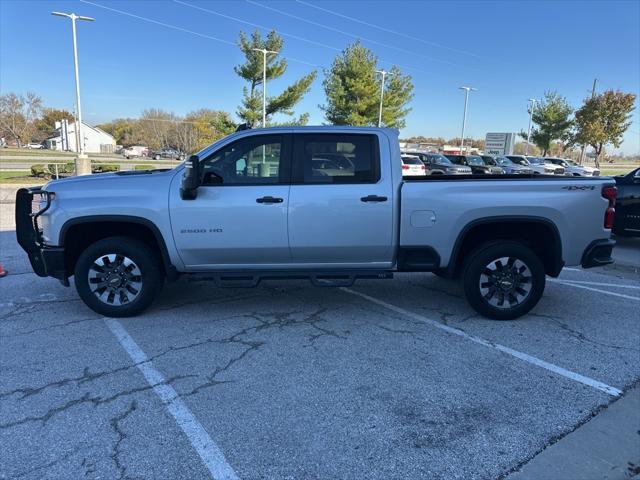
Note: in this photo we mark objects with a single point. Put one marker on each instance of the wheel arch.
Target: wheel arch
(487, 229)
(78, 233)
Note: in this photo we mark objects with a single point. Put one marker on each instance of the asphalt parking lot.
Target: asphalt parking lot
(386, 379)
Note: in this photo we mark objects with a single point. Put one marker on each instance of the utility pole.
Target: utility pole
(464, 116)
(593, 94)
(83, 166)
(383, 73)
(531, 108)
(264, 52)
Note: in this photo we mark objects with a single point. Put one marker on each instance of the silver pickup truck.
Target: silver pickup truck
(325, 203)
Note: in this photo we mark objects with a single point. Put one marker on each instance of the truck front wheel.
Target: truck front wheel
(118, 276)
(503, 280)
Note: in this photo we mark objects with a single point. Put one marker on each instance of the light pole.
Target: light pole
(531, 108)
(464, 116)
(383, 73)
(82, 167)
(264, 82)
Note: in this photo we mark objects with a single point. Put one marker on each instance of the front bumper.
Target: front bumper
(46, 261)
(598, 253)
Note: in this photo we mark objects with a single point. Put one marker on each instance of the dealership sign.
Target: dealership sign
(499, 143)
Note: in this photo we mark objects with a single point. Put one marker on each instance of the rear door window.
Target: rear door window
(335, 158)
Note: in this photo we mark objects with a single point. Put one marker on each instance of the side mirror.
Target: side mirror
(190, 178)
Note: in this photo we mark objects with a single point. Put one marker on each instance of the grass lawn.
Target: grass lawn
(19, 177)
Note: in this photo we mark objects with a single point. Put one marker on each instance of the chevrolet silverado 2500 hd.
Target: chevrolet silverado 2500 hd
(262, 204)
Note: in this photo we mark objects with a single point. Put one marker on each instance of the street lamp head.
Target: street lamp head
(468, 89)
(73, 16)
(264, 50)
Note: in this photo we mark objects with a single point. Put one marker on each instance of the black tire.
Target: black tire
(139, 285)
(486, 281)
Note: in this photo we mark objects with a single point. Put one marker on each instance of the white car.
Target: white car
(135, 151)
(412, 166)
(536, 164)
(34, 146)
(573, 168)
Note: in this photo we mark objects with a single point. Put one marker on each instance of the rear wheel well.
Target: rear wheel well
(79, 236)
(540, 236)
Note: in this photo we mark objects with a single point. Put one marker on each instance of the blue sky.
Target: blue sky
(509, 50)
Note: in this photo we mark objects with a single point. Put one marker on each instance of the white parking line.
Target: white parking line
(622, 295)
(603, 387)
(211, 455)
(602, 284)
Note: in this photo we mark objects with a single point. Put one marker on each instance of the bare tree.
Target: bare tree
(157, 127)
(18, 114)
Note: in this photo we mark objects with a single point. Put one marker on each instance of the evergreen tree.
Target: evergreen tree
(552, 121)
(353, 91)
(250, 111)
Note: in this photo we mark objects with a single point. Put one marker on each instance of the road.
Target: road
(384, 380)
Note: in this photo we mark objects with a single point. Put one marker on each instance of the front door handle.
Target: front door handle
(373, 198)
(269, 200)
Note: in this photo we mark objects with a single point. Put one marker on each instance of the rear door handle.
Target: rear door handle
(373, 198)
(269, 200)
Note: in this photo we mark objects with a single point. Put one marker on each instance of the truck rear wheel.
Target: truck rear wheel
(503, 280)
(118, 276)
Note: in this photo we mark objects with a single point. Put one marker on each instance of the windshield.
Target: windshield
(474, 160)
(489, 160)
(411, 161)
(504, 162)
(535, 160)
(519, 160)
(440, 159)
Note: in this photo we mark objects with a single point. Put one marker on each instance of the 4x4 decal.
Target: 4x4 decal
(579, 187)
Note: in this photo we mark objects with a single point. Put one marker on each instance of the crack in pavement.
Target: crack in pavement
(121, 437)
(51, 327)
(87, 398)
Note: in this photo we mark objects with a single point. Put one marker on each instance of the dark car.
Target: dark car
(627, 219)
(167, 153)
(476, 164)
(438, 164)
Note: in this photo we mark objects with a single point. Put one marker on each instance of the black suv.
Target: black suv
(477, 165)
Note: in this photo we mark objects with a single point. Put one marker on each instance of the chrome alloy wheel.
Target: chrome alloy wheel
(115, 279)
(505, 282)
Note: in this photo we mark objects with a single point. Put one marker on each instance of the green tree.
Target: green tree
(353, 91)
(252, 71)
(125, 131)
(603, 119)
(552, 121)
(46, 124)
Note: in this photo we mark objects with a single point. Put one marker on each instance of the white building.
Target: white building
(95, 140)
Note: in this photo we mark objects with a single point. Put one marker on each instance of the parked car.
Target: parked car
(627, 216)
(167, 153)
(573, 168)
(510, 167)
(121, 234)
(135, 151)
(412, 165)
(536, 164)
(34, 146)
(438, 164)
(476, 164)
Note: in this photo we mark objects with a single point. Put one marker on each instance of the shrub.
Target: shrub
(39, 171)
(68, 168)
(143, 167)
(105, 167)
